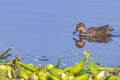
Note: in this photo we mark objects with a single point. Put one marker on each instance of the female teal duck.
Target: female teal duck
(93, 31)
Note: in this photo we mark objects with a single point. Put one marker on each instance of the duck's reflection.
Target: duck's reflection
(82, 40)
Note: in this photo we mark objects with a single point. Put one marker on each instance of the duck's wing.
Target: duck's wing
(102, 30)
(106, 28)
(98, 28)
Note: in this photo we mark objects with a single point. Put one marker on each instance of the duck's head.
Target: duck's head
(80, 27)
(79, 43)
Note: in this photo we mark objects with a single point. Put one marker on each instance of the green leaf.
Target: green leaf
(83, 71)
(82, 77)
(42, 75)
(49, 66)
(118, 77)
(77, 67)
(28, 67)
(33, 76)
(52, 77)
(58, 63)
(3, 75)
(55, 72)
(23, 74)
(87, 55)
(93, 68)
(65, 76)
(4, 53)
(112, 78)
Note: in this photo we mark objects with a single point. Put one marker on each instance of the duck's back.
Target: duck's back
(99, 31)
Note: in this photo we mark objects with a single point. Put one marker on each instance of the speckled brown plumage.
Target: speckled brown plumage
(93, 31)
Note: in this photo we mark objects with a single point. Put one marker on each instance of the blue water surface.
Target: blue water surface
(44, 28)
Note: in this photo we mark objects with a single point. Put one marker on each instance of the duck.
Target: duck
(100, 31)
(80, 43)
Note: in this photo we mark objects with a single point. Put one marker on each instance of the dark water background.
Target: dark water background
(44, 28)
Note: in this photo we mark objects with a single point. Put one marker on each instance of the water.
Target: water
(44, 28)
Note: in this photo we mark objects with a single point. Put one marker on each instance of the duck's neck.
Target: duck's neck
(83, 32)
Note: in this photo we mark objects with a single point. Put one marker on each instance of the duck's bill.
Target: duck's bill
(74, 31)
(74, 39)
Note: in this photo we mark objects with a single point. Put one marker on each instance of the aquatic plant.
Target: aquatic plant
(85, 69)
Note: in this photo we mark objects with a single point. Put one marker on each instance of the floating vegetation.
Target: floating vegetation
(43, 58)
(85, 69)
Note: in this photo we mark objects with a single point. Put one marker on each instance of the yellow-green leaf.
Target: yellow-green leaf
(33, 76)
(77, 67)
(42, 75)
(93, 68)
(112, 78)
(65, 76)
(55, 72)
(82, 77)
(23, 74)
